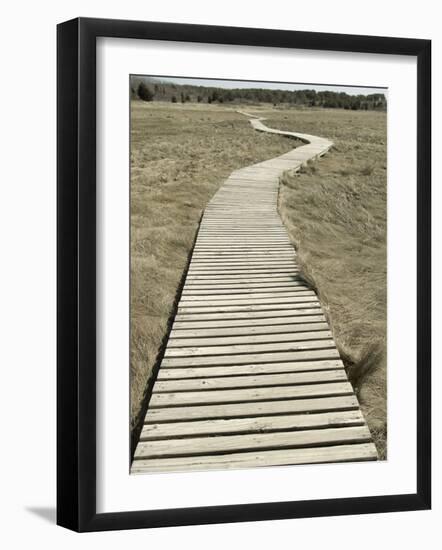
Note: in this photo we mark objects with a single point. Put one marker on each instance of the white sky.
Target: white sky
(351, 90)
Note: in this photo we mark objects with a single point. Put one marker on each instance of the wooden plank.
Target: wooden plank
(260, 236)
(219, 253)
(249, 322)
(228, 229)
(252, 442)
(247, 224)
(227, 232)
(216, 293)
(234, 271)
(187, 302)
(237, 242)
(317, 455)
(264, 198)
(198, 296)
(230, 223)
(231, 209)
(243, 266)
(267, 284)
(269, 217)
(224, 255)
(245, 220)
(222, 276)
(234, 246)
(241, 241)
(247, 308)
(273, 252)
(245, 410)
(220, 218)
(218, 225)
(248, 339)
(234, 349)
(237, 263)
(245, 395)
(270, 304)
(220, 256)
(246, 242)
(247, 358)
(253, 263)
(276, 330)
(265, 424)
(235, 382)
(245, 282)
(291, 280)
(257, 236)
(242, 277)
(213, 300)
(222, 215)
(241, 250)
(247, 369)
(249, 247)
(262, 312)
(270, 286)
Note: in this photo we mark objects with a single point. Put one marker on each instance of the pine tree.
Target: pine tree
(144, 92)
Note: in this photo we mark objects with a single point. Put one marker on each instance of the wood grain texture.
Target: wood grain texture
(264, 424)
(256, 459)
(225, 382)
(252, 442)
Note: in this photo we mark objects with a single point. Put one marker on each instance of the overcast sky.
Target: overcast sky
(352, 90)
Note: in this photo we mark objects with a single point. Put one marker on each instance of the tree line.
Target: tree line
(183, 93)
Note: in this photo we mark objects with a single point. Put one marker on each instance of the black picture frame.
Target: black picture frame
(76, 274)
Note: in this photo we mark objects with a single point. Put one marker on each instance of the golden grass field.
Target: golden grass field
(334, 210)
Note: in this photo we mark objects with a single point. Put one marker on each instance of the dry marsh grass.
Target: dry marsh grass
(180, 154)
(335, 212)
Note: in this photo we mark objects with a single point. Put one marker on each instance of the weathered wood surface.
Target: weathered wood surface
(251, 375)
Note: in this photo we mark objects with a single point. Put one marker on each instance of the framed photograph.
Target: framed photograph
(243, 274)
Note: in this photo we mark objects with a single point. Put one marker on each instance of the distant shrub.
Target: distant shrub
(144, 92)
(173, 99)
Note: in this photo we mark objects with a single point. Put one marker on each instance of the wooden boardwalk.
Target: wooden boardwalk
(251, 375)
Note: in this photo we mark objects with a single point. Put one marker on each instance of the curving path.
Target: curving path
(251, 375)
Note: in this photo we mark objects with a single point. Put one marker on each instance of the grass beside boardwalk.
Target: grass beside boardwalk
(180, 154)
(335, 212)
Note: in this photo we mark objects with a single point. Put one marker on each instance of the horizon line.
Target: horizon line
(227, 83)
